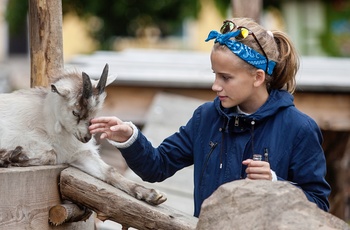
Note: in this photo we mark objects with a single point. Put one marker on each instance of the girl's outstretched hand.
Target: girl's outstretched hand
(111, 128)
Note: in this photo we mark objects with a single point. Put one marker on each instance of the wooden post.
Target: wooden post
(113, 204)
(46, 47)
(248, 8)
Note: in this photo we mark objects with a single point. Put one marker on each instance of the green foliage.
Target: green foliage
(222, 6)
(16, 14)
(117, 18)
(336, 39)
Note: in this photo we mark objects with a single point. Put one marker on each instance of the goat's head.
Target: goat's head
(78, 101)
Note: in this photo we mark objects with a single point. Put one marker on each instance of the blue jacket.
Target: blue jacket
(216, 141)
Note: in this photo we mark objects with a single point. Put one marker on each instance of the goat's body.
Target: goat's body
(27, 120)
(34, 122)
(37, 128)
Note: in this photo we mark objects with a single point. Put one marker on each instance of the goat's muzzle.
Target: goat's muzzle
(84, 139)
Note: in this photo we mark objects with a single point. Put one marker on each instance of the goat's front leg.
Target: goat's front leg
(96, 167)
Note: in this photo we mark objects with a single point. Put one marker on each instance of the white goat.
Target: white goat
(40, 126)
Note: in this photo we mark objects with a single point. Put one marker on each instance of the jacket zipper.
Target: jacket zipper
(252, 135)
(212, 147)
(266, 155)
(236, 121)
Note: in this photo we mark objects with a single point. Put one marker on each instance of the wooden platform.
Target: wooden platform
(27, 194)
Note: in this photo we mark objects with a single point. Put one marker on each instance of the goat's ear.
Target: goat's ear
(63, 92)
(87, 87)
(110, 78)
(103, 80)
(55, 90)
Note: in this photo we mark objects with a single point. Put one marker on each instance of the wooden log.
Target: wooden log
(27, 194)
(46, 46)
(67, 213)
(113, 204)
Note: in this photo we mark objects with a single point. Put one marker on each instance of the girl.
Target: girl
(253, 115)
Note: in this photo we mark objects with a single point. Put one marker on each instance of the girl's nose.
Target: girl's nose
(216, 87)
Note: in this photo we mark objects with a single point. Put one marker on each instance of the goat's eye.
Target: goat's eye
(76, 113)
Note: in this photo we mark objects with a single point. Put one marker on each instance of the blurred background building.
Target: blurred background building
(317, 27)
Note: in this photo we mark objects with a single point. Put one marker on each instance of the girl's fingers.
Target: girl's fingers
(106, 120)
(246, 162)
(101, 119)
(103, 136)
(96, 126)
(259, 177)
(97, 129)
(257, 170)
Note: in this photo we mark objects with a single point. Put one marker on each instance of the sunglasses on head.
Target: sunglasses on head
(229, 26)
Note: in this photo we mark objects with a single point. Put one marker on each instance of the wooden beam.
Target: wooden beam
(113, 204)
(46, 47)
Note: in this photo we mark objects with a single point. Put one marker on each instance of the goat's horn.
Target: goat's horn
(87, 86)
(103, 79)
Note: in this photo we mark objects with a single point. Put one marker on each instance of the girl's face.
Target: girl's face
(234, 84)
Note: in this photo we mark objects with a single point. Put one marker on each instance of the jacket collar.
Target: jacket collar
(277, 100)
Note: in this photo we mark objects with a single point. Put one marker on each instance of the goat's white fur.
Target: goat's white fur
(41, 121)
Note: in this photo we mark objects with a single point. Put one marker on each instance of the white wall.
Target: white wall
(305, 21)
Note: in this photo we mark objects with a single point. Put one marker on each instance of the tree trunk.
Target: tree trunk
(46, 49)
(248, 8)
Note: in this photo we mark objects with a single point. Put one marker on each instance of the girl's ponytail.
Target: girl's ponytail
(287, 66)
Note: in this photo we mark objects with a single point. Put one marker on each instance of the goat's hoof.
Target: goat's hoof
(4, 161)
(4, 164)
(17, 156)
(155, 197)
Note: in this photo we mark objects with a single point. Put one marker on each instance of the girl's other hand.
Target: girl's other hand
(257, 170)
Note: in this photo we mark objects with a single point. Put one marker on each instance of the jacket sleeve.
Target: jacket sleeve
(156, 164)
(307, 169)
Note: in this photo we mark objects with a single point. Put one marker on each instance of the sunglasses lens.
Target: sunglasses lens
(244, 33)
(228, 26)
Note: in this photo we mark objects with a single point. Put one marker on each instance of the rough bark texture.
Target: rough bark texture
(113, 204)
(46, 47)
(249, 204)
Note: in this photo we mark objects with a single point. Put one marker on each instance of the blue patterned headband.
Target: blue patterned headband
(243, 51)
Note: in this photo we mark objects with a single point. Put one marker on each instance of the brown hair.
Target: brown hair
(278, 48)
